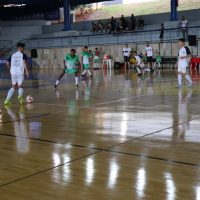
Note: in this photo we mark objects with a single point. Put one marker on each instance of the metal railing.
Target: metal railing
(109, 39)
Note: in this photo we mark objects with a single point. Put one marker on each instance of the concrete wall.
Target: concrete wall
(53, 58)
(192, 15)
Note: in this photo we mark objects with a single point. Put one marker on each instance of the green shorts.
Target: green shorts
(71, 71)
(86, 66)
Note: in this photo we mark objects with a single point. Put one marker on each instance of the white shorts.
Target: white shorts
(17, 79)
(182, 69)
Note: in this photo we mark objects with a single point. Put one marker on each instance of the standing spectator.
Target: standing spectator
(113, 25)
(96, 58)
(149, 54)
(107, 26)
(141, 22)
(133, 22)
(184, 27)
(118, 26)
(94, 28)
(162, 32)
(100, 26)
(123, 23)
(126, 52)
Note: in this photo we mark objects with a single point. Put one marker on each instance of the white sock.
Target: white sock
(84, 72)
(57, 82)
(10, 93)
(89, 72)
(179, 79)
(76, 80)
(188, 78)
(20, 92)
(138, 69)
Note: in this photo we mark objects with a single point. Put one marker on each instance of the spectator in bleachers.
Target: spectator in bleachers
(118, 26)
(162, 32)
(113, 25)
(100, 26)
(133, 22)
(123, 23)
(184, 27)
(140, 22)
(107, 26)
(94, 28)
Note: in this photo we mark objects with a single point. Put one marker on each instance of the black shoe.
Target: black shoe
(83, 76)
(91, 76)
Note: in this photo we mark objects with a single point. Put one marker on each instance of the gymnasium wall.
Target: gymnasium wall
(53, 58)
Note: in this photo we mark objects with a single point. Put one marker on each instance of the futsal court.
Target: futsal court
(118, 136)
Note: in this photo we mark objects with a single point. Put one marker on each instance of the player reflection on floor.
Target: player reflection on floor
(20, 130)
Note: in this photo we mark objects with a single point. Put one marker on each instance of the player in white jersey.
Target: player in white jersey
(126, 53)
(139, 63)
(149, 53)
(183, 63)
(18, 65)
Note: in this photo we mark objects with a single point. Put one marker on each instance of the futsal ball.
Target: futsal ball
(29, 99)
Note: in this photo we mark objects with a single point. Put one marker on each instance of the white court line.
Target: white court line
(108, 102)
(123, 99)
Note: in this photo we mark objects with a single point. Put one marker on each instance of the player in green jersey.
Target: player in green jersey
(85, 62)
(71, 64)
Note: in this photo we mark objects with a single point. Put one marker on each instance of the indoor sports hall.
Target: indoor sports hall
(99, 100)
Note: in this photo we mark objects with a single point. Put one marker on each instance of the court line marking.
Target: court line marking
(101, 151)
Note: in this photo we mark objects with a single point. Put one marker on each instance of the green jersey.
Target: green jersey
(71, 63)
(86, 56)
(158, 59)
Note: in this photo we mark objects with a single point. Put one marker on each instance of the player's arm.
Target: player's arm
(81, 60)
(8, 63)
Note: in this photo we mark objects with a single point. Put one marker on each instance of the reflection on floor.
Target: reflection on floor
(117, 136)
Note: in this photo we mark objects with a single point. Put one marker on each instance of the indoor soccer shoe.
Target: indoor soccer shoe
(21, 100)
(7, 102)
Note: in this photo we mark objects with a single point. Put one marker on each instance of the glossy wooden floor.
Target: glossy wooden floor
(117, 137)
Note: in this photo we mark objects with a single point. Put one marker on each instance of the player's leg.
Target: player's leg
(179, 79)
(59, 78)
(11, 91)
(84, 71)
(20, 81)
(76, 78)
(88, 71)
(138, 70)
(188, 78)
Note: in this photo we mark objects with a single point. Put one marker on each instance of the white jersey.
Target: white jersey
(183, 52)
(149, 51)
(139, 61)
(17, 63)
(184, 24)
(127, 52)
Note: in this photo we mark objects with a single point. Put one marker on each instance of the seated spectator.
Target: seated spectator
(133, 22)
(141, 22)
(100, 26)
(94, 28)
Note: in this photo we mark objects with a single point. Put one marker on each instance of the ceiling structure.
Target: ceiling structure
(48, 3)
